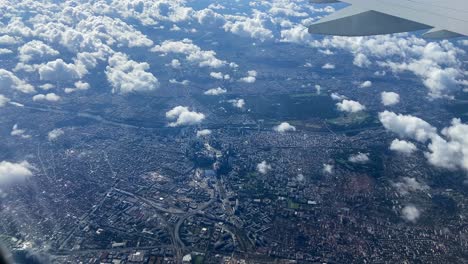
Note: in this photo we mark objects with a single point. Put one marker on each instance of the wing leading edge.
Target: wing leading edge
(375, 17)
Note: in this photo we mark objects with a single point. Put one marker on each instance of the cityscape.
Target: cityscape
(217, 132)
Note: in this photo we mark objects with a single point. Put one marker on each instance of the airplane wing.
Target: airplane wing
(443, 18)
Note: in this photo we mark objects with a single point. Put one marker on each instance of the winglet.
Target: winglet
(437, 33)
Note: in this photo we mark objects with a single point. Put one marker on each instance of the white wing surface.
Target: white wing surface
(442, 18)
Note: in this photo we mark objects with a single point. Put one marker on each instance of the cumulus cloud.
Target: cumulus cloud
(337, 97)
(47, 86)
(35, 50)
(365, 84)
(238, 103)
(14, 172)
(6, 40)
(390, 98)
(215, 91)
(448, 150)
(51, 97)
(350, 106)
(175, 64)
(183, 82)
(361, 60)
(9, 81)
(17, 132)
(127, 76)
(403, 146)
(55, 134)
(203, 133)
(4, 51)
(254, 27)
(194, 53)
(410, 213)
(328, 168)
(59, 70)
(3, 100)
(440, 81)
(79, 86)
(407, 185)
(284, 127)
(184, 117)
(407, 126)
(436, 63)
(361, 158)
(263, 167)
(318, 88)
(250, 78)
(220, 76)
(328, 66)
(297, 34)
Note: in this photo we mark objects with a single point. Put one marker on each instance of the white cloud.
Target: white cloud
(328, 168)
(47, 86)
(337, 97)
(209, 17)
(215, 91)
(254, 27)
(203, 133)
(6, 40)
(284, 127)
(3, 100)
(51, 97)
(35, 50)
(82, 85)
(239, 103)
(263, 167)
(298, 34)
(183, 116)
(390, 98)
(59, 70)
(318, 88)
(4, 51)
(250, 78)
(448, 150)
(194, 54)
(328, 66)
(9, 81)
(407, 126)
(217, 75)
(410, 213)
(220, 76)
(127, 76)
(14, 172)
(359, 158)
(79, 86)
(350, 106)
(403, 146)
(436, 63)
(366, 84)
(16, 132)
(183, 82)
(176, 64)
(408, 185)
(55, 134)
(361, 60)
